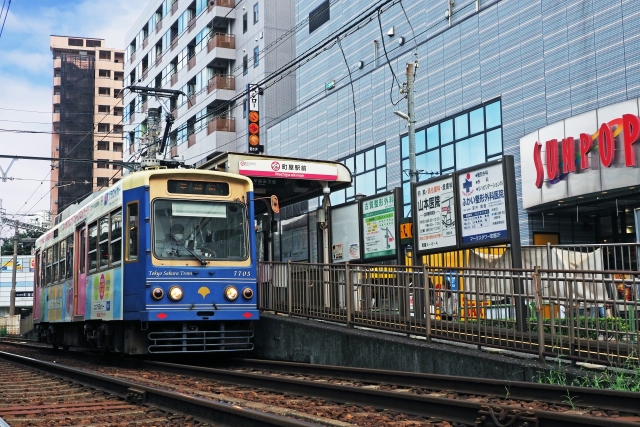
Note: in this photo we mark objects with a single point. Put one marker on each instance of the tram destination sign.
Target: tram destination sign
(435, 214)
(482, 205)
(28, 294)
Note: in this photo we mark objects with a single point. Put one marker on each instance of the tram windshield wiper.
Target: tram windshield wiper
(191, 251)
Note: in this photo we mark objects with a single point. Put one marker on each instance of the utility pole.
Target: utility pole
(412, 124)
(12, 297)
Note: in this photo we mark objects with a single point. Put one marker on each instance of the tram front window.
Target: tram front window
(199, 230)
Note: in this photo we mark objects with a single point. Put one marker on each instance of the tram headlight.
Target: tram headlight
(157, 294)
(247, 293)
(231, 293)
(175, 293)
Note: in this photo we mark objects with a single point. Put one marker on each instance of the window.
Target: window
(104, 74)
(132, 232)
(69, 257)
(369, 169)
(211, 230)
(255, 13)
(103, 245)
(117, 147)
(55, 263)
(103, 127)
(102, 182)
(116, 237)
(76, 42)
(104, 91)
(465, 140)
(245, 65)
(83, 248)
(244, 23)
(93, 247)
(103, 145)
(105, 55)
(319, 16)
(117, 129)
(49, 259)
(94, 43)
(103, 109)
(256, 53)
(244, 109)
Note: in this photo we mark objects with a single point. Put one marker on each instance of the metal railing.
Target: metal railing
(578, 313)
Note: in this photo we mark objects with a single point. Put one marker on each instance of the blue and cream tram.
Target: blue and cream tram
(161, 262)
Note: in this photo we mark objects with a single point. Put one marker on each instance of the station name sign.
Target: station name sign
(568, 155)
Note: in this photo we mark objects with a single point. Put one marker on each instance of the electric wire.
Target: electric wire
(6, 13)
(353, 100)
(384, 47)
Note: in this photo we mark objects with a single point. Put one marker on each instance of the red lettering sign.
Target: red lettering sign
(628, 125)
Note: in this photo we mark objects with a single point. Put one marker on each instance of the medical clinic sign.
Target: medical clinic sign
(593, 152)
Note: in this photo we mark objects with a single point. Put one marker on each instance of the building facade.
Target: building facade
(492, 76)
(210, 50)
(87, 117)
(24, 284)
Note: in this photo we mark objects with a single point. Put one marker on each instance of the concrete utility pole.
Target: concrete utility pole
(412, 124)
(12, 297)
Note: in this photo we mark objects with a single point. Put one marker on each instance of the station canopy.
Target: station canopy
(291, 179)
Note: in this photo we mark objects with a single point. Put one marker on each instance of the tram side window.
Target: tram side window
(83, 249)
(42, 267)
(104, 241)
(56, 259)
(116, 236)
(62, 264)
(49, 265)
(69, 256)
(93, 246)
(132, 232)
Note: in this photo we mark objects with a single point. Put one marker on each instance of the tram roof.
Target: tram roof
(290, 188)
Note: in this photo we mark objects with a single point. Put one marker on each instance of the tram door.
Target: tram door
(80, 272)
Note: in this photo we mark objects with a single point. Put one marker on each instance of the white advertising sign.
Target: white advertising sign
(345, 233)
(482, 205)
(435, 214)
(379, 227)
(288, 169)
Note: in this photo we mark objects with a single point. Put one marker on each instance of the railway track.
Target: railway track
(36, 392)
(432, 398)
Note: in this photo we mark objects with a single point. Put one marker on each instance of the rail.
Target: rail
(580, 313)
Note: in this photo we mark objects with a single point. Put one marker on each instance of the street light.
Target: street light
(401, 115)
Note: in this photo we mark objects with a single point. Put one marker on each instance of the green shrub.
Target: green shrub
(586, 327)
(3, 332)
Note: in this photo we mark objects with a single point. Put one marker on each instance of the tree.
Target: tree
(23, 248)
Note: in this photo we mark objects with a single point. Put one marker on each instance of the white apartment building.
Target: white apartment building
(210, 50)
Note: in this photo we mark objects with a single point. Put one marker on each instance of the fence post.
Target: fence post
(349, 297)
(572, 315)
(538, 288)
(289, 288)
(427, 301)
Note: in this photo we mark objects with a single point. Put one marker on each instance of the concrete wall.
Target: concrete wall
(299, 340)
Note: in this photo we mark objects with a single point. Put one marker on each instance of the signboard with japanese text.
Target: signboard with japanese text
(288, 169)
(344, 233)
(379, 227)
(482, 205)
(435, 215)
(253, 120)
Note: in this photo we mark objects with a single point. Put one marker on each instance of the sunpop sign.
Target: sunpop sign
(585, 154)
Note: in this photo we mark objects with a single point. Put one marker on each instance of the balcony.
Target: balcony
(132, 118)
(191, 101)
(145, 42)
(174, 42)
(159, 59)
(174, 78)
(192, 24)
(221, 124)
(57, 81)
(56, 117)
(56, 99)
(191, 63)
(227, 41)
(174, 7)
(174, 151)
(174, 113)
(191, 140)
(221, 81)
(143, 109)
(133, 57)
(158, 27)
(57, 63)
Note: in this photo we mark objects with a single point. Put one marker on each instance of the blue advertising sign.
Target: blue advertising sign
(482, 205)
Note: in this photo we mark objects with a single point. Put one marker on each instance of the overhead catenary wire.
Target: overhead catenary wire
(6, 13)
(353, 100)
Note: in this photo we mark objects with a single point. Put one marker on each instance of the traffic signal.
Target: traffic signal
(254, 131)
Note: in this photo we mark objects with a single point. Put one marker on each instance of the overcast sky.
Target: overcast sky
(26, 79)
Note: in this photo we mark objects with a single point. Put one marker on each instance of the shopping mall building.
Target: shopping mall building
(549, 82)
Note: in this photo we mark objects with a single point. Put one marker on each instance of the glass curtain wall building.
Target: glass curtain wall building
(496, 72)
